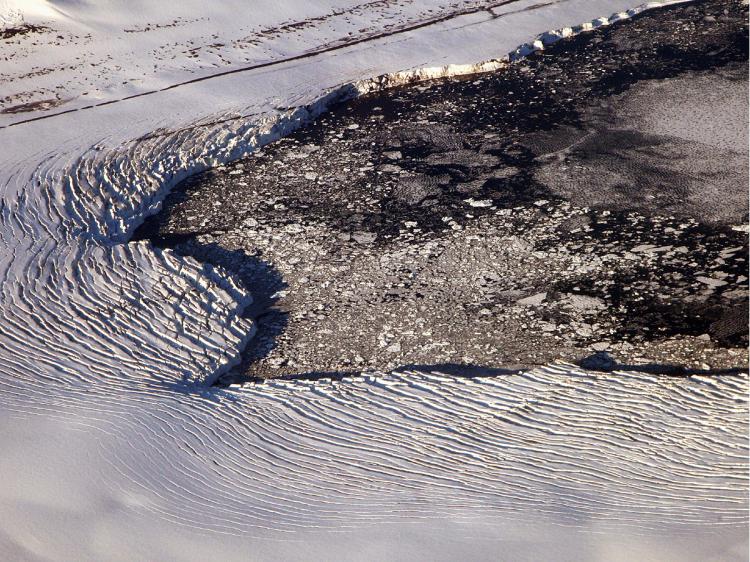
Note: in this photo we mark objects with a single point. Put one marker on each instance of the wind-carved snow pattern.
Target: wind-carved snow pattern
(119, 341)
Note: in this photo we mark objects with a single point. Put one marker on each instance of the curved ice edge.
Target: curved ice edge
(253, 135)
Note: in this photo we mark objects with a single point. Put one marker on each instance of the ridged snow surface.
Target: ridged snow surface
(110, 431)
(621, 458)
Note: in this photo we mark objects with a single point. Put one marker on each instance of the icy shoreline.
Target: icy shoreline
(107, 346)
(129, 185)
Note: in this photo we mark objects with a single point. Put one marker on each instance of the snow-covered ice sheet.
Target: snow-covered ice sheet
(113, 446)
(555, 464)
